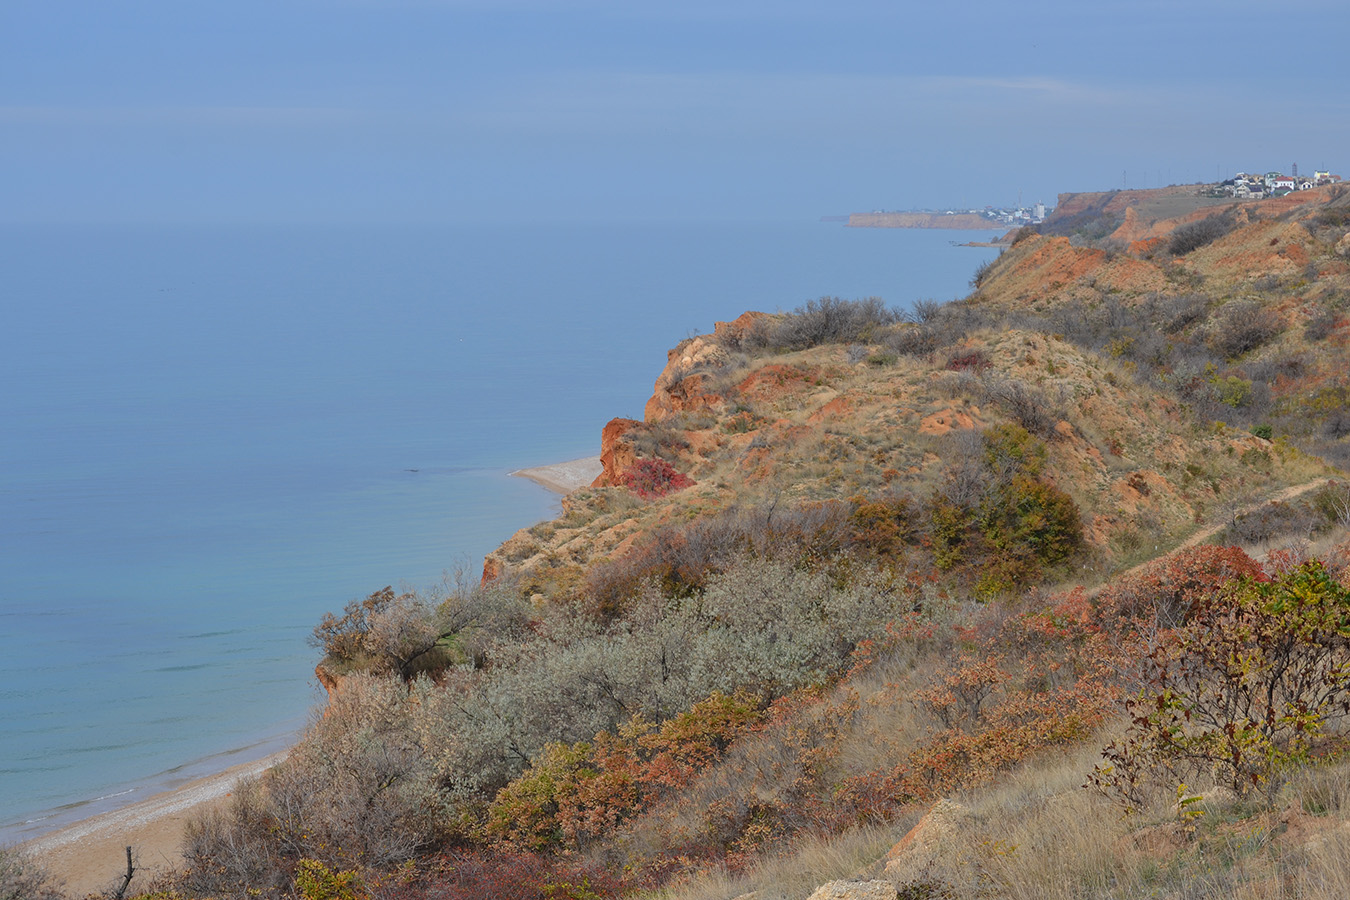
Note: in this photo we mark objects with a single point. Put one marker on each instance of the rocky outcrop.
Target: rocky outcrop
(684, 385)
(735, 332)
(331, 681)
(493, 569)
(617, 455)
(925, 851)
(855, 890)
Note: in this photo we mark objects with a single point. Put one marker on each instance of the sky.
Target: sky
(460, 111)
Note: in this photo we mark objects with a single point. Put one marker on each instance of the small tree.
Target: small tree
(1241, 691)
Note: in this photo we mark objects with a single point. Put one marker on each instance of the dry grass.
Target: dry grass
(1039, 835)
(795, 875)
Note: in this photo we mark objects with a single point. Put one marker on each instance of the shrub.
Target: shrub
(358, 788)
(348, 637)
(1032, 518)
(1333, 502)
(574, 795)
(1274, 520)
(1166, 592)
(1242, 327)
(923, 311)
(829, 320)
(1010, 449)
(1179, 312)
(506, 873)
(1233, 391)
(884, 527)
(652, 478)
(410, 633)
(1321, 325)
(21, 878)
(1241, 692)
(678, 559)
(996, 518)
(768, 628)
(232, 852)
(1025, 404)
(974, 361)
(912, 340)
(315, 881)
(982, 273)
(1194, 235)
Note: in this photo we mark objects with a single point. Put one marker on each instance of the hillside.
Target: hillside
(866, 599)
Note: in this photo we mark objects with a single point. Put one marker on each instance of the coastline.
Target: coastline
(90, 854)
(563, 477)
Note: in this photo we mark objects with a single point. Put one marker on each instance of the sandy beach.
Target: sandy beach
(90, 855)
(564, 477)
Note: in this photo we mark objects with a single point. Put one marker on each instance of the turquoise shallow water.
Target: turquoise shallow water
(210, 436)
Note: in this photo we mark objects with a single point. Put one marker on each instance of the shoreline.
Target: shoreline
(39, 824)
(564, 477)
(90, 854)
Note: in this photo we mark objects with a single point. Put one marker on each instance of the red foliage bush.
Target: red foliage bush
(974, 361)
(1164, 594)
(576, 794)
(651, 478)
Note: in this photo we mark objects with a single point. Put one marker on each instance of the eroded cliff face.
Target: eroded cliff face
(689, 384)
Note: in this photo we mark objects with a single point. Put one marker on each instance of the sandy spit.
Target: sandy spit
(564, 477)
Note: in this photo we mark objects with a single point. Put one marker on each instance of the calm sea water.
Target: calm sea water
(210, 436)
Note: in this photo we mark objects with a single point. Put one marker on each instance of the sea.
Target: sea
(211, 435)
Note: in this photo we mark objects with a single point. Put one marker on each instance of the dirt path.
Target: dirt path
(1212, 529)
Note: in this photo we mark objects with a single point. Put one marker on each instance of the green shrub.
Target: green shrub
(1241, 692)
(315, 881)
(1032, 518)
(1233, 391)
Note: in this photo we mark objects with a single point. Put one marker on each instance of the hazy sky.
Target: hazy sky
(464, 110)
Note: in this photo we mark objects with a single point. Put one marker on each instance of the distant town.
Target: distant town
(1242, 186)
(1272, 184)
(996, 215)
